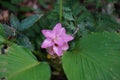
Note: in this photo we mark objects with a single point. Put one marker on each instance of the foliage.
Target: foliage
(88, 62)
(92, 55)
(19, 63)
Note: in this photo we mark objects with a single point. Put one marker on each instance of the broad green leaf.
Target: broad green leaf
(95, 57)
(14, 22)
(19, 64)
(29, 21)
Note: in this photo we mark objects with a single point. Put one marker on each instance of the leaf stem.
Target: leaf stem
(60, 10)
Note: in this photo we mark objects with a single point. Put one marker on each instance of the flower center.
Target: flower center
(56, 45)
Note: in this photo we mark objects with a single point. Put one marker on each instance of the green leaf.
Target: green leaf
(16, 1)
(95, 57)
(24, 41)
(1, 39)
(9, 31)
(2, 30)
(25, 9)
(106, 23)
(29, 21)
(8, 5)
(19, 64)
(14, 21)
(68, 16)
(2, 34)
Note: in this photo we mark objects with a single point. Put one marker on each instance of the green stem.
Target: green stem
(60, 10)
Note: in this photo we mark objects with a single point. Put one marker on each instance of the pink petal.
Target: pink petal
(47, 43)
(62, 31)
(65, 46)
(48, 33)
(57, 50)
(57, 28)
(67, 38)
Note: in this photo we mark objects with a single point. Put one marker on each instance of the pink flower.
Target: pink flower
(56, 40)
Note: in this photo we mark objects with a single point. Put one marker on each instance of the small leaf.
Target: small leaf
(1, 39)
(106, 23)
(24, 41)
(16, 1)
(95, 57)
(67, 9)
(20, 64)
(9, 6)
(29, 21)
(25, 9)
(14, 22)
(9, 31)
(68, 16)
(2, 33)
